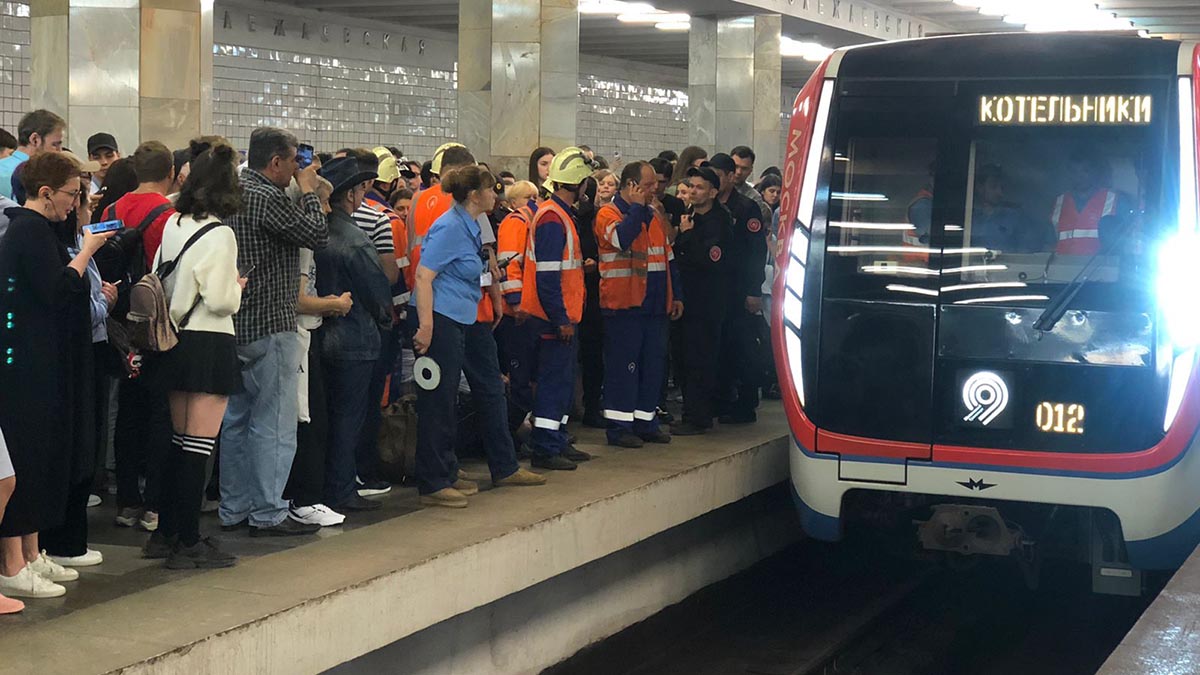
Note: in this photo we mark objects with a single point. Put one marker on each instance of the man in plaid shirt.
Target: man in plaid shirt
(258, 437)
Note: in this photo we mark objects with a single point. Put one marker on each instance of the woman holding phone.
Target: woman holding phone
(45, 359)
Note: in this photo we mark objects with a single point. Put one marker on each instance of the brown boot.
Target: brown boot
(448, 497)
(522, 477)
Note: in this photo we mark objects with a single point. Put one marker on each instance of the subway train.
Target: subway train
(986, 313)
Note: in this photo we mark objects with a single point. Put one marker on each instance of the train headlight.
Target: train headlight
(1178, 259)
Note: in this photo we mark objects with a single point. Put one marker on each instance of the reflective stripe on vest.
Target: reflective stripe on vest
(622, 272)
(1079, 230)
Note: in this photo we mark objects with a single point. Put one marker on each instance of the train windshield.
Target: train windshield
(986, 198)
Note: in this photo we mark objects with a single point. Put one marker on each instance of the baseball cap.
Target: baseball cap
(706, 173)
(721, 161)
(101, 141)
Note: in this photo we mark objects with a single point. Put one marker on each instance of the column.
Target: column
(139, 69)
(734, 84)
(512, 98)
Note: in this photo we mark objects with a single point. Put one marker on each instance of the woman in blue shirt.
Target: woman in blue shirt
(448, 283)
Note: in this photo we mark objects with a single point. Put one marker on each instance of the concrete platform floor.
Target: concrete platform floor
(1166, 639)
(305, 604)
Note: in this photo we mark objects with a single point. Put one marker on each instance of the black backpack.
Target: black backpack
(125, 247)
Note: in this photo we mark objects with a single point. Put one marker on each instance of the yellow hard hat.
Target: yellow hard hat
(388, 169)
(436, 166)
(569, 167)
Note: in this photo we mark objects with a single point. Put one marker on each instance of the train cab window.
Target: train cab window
(879, 235)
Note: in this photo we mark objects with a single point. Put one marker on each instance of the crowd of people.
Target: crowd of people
(240, 321)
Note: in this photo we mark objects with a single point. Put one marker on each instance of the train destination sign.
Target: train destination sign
(1055, 110)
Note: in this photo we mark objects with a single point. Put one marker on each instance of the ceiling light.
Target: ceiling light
(613, 7)
(657, 16)
(674, 25)
(1042, 16)
(809, 51)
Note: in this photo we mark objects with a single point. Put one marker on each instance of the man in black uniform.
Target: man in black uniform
(702, 252)
(741, 364)
(674, 208)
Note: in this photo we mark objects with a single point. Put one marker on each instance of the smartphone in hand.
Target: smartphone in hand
(304, 155)
(106, 226)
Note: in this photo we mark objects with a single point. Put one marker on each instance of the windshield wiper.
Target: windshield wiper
(1055, 311)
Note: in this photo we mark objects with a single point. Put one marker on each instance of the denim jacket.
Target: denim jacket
(349, 263)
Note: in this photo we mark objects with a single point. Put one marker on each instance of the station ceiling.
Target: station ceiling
(605, 36)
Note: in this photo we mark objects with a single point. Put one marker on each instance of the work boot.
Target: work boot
(521, 477)
(158, 546)
(656, 436)
(448, 497)
(687, 429)
(553, 462)
(625, 439)
(593, 419)
(575, 454)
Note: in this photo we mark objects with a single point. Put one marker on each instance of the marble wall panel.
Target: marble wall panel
(206, 64)
(120, 121)
(733, 128)
(48, 74)
(517, 20)
(174, 121)
(104, 48)
(702, 115)
(170, 54)
(516, 90)
(559, 109)
(702, 52)
(735, 37)
(735, 83)
(767, 88)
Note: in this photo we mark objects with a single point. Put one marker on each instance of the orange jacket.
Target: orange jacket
(1079, 230)
(511, 241)
(567, 271)
(427, 207)
(400, 244)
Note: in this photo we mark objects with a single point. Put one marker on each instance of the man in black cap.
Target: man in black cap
(702, 250)
(740, 369)
(102, 148)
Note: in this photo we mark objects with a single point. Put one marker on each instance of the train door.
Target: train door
(889, 203)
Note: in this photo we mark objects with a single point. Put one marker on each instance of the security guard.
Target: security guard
(553, 298)
(636, 296)
(741, 362)
(703, 254)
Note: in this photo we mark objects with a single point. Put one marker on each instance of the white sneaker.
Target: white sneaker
(148, 521)
(93, 501)
(317, 514)
(86, 560)
(52, 571)
(30, 584)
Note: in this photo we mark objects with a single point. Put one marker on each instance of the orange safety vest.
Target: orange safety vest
(1079, 231)
(659, 254)
(511, 241)
(909, 238)
(428, 206)
(399, 243)
(622, 272)
(570, 267)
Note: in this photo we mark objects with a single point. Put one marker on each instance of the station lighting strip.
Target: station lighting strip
(1041, 16)
(641, 12)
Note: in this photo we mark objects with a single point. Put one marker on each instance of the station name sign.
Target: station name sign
(1056, 110)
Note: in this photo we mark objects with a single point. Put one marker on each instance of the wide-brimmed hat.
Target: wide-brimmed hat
(345, 172)
(85, 165)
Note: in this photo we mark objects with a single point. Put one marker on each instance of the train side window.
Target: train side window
(878, 241)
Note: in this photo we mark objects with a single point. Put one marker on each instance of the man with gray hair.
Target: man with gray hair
(258, 437)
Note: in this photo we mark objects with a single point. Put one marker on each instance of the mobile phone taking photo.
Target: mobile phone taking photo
(304, 155)
(106, 226)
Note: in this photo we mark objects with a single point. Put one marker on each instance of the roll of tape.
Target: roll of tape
(427, 373)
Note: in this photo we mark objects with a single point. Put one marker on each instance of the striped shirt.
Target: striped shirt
(377, 227)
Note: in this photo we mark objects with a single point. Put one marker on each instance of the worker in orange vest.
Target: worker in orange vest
(1077, 213)
(552, 296)
(516, 357)
(637, 294)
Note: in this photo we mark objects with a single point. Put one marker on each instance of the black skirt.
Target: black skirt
(203, 362)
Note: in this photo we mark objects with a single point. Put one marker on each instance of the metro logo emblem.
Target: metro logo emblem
(1053, 110)
(985, 396)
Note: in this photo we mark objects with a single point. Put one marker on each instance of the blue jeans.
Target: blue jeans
(258, 436)
(347, 389)
(459, 350)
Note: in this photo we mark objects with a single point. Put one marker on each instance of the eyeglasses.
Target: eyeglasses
(74, 193)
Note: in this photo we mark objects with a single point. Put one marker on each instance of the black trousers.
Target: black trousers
(741, 362)
(70, 538)
(366, 453)
(703, 337)
(307, 479)
(143, 438)
(591, 357)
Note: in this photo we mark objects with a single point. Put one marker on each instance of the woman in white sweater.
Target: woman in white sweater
(204, 290)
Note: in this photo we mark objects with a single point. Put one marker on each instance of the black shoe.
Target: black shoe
(687, 429)
(664, 417)
(204, 554)
(738, 418)
(575, 454)
(236, 526)
(594, 420)
(553, 462)
(286, 528)
(159, 546)
(657, 436)
(571, 439)
(372, 486)
(625, 439)
(357, 503)
(524, 451)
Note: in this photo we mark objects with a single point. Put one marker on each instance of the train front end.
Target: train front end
(985, 315)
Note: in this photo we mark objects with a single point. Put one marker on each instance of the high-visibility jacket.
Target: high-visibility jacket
(660, 260)
(564, 273)
(401, 290)
(427, 207)
(1079, 230)
(632, 242)
(912, 238)
(511, 241)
